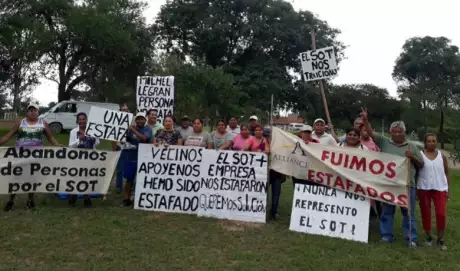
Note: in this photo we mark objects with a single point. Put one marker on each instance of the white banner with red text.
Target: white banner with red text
(374, 175)
(56, 170)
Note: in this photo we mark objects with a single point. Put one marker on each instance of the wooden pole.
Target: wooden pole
(321, 83)
(409, 215)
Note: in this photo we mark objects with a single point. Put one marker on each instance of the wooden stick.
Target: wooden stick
(321, 83)
(409, 202)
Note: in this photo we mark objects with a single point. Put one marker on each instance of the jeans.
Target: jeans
(276, 179)
(120, 167)
(387, 218)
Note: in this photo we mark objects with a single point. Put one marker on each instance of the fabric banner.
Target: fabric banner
(56, 170)
(374, 175)
(192, 180)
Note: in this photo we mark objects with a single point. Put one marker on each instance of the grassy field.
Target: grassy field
(109, 237)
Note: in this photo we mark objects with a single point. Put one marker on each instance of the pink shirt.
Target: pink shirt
(239, 142)
(255, 146)
(370, 144)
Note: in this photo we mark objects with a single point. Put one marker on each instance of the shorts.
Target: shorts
(130, 170)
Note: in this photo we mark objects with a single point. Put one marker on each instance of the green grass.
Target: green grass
(109, 237)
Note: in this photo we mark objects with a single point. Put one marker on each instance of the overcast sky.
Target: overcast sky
(373, 30)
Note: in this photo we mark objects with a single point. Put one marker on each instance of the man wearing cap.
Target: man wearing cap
(138, 133)
(30, 133)
(184, 129)
(253, 121)
(306, 134)
(320, 134)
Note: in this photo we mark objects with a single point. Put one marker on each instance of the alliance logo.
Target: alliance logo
(297, 145)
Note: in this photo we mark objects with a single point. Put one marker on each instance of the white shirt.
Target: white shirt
(234, 131)
(325, 139)
(74, 140)
(432, 175)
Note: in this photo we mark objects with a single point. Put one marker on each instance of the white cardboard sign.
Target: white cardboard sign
(326, 211)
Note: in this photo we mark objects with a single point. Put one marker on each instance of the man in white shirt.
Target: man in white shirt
(320, 133)
(233, 126)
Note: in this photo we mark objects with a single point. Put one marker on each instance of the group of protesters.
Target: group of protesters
(429, 174)
(429, 170)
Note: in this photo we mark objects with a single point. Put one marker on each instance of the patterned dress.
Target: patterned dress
(30, 136)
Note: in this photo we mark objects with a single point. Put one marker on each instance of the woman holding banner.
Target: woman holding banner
(198, 137)
(257, 143)
(78, 139)
(240, 140)
(168, 135)
(432, 186)
(139, 133)
(221, 138)
(352, 140)
(30, 133)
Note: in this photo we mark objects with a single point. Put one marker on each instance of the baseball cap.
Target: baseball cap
(33, 105)
(140, 114)
(184, 118)
(318, 120)
(306, 128)
(254, 117)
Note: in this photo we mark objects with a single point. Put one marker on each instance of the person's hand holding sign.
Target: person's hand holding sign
(409, 153)
(82, 137)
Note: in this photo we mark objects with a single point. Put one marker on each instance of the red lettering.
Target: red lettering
(325, 155)
(391, 170)
(320, 176)
(358, 164)
(329, 177)
(311, 174)
(372, 192)
(337, 161)
(347, 158)
(339, 182)
(359, 189)
(349, 185)
(402, 200)
(380, 164)
(384, 196)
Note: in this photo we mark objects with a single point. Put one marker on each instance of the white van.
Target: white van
(295, 126)
(63, 115)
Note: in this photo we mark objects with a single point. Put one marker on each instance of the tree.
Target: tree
(206, 91)
(257, 41)
(19, 47)
(429, 69)
(91, 41)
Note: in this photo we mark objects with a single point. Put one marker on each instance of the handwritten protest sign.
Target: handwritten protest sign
(379, 176)
(56, 170)
(193, 180)
(168, 179)
(318, 64)
(108, 124)
(234, 186)
(326, 211)
(156, 92)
